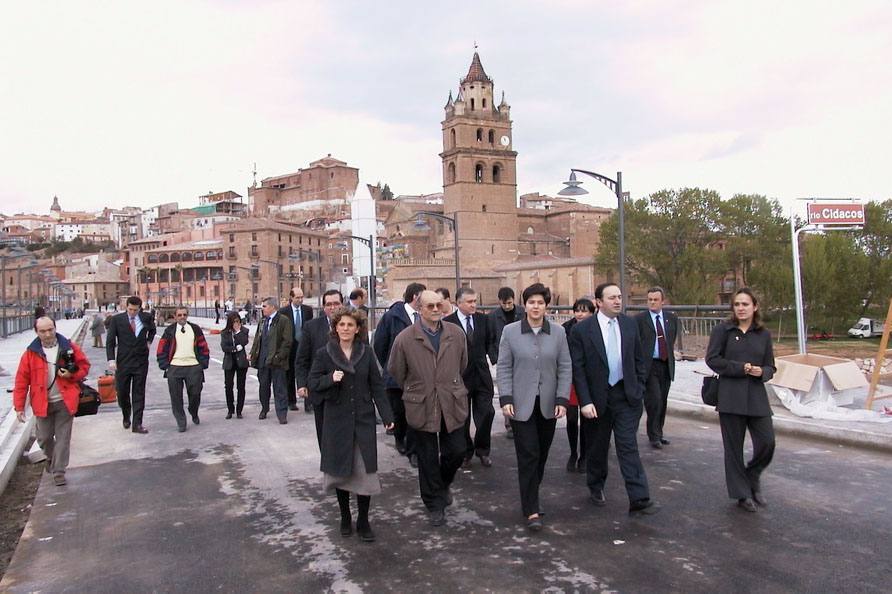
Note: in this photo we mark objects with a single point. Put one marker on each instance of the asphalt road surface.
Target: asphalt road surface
(237, 506)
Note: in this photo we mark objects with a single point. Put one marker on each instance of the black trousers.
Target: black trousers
(439, 457)
(291, 376)
(480, 406)
(130, 384)
(402, 433)
(236, 376)
(192, 377)
(532, 441)
(743, 479)
(656, 397)
(574, 435)
(273, 378)
(620, 419)
(319, 417)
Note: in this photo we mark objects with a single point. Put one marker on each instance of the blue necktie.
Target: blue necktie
(298, 324)
(613, 359)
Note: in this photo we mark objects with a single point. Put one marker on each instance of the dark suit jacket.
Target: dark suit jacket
(306, 313)
(477, 375)
(317, 333)
(648, 335)
(394, 321)
(132, 350)
(590, 370)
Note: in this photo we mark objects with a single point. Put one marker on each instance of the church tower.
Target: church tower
(479, 172)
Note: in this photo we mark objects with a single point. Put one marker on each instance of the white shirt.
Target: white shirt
(136, 322)
(464, 320)
(653, 320)
(602, 323)
(410, 312)
(52, 355)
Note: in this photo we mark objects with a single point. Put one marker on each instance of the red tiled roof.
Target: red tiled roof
(476, 72)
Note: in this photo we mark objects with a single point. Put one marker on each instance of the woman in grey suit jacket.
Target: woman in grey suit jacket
(534, 373)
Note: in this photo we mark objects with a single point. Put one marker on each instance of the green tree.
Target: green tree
(833, 278)
(875, 241)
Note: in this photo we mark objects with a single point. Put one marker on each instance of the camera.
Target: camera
(66, 361)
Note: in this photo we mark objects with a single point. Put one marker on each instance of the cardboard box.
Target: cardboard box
(819, 378)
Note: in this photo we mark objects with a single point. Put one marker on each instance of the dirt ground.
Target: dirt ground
(15, 508)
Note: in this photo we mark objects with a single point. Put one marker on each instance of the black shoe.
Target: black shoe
(664, 441)
(656, 445)
(365, 532)
(229, 415)
(293, 407)
(283, 421)
(262, 416)
(437, 517)
(413, 460)
(346, 527)
(486, 461)
(181, 428)
(571, 464)
(598, 498)
(534, 524)
(401, 449)
(643, 507)
(580, 465)
(466, 463)
(238, 416)
(126, 424)
(196, 420)
(308, 408)
(747, 504)
(759, 499)
(139, 429)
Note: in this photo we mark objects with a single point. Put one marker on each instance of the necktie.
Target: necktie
(298, 323)
(469, 327)
(613, 359)
(414, 317)
(662, 347)
(133, 325)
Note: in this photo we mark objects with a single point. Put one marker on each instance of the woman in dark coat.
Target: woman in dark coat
(740, 352)
(582, 309)
(346, 375)
(234, 342)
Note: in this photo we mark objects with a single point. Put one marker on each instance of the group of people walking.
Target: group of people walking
(427, 376)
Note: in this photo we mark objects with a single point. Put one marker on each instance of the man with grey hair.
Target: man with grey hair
(270, 354)
(658, 329)
(183, 355)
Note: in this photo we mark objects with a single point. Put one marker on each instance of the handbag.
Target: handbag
(88, 402)
(709, 392)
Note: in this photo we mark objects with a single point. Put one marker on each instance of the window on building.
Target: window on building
(479, 134)
(211, 256)
(345, 258)
(483, 208)
(280, 238)
(496, 174)
(199, 256)
(201, 291)
(281, 251)
(164, 258)
(231, 237)
(452, 138)
(253, 236)
(175, 257)
(478, 173)
(472, 104)
(254, 252)
(452, 173)
(492, 137)
(483, 103)
(232, 251)
(187, 256)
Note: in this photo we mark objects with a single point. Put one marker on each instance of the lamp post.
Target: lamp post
(616, 185)
(373, 280)
(454, 221)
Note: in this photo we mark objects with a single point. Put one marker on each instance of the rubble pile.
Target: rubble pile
(866, 366)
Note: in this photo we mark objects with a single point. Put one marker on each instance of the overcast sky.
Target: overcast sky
(137, 103)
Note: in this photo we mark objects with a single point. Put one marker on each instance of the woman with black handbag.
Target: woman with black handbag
(233, 342)
(740, 352)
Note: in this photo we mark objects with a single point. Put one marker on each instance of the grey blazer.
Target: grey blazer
(533, 365)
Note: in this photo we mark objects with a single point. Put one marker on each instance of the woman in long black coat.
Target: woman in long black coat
(740, 352)
(346, 375)
(234, 344)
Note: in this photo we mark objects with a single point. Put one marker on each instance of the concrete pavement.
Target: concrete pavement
(234, 506)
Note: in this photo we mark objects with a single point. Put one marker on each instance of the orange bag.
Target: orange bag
(107, 391)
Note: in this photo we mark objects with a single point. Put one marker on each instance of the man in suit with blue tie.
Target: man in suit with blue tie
(658, 329)
(300, 314)
(609, 376)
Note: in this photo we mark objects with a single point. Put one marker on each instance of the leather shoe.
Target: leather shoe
(196, 420)
(759, 499)
(534, 524)
(413, 460)
(238, 416)
(283, 421)
(262, 416)
(126, 424)
(643, 507)
(139, 429)
(664, 441)
(597, 497)
(656, 445)
(437, 517)
(181, 428)
(228, 415)
(365, 532)
(486, 461)
(747, 504)
(346, 527)
(293, 407)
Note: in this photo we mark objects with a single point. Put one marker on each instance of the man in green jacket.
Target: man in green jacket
(269, 355)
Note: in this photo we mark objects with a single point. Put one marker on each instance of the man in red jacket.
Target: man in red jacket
(50, 372)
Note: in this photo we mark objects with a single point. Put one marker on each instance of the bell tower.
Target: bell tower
(479, 171)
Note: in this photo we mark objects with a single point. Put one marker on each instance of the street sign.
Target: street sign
(835, 213)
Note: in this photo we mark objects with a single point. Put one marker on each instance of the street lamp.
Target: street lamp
(373, 280)
(454, 221)
(616, 185)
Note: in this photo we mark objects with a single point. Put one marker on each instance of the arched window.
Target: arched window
(479, 134)
(472, 104)
(529, 230)
(175, 257)
(187, 256)
(484, 103)
(478, 173)
(164, 258)
(198, 256)
(452, 138)
(451, 173)
(496, 174)
(492, 137)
